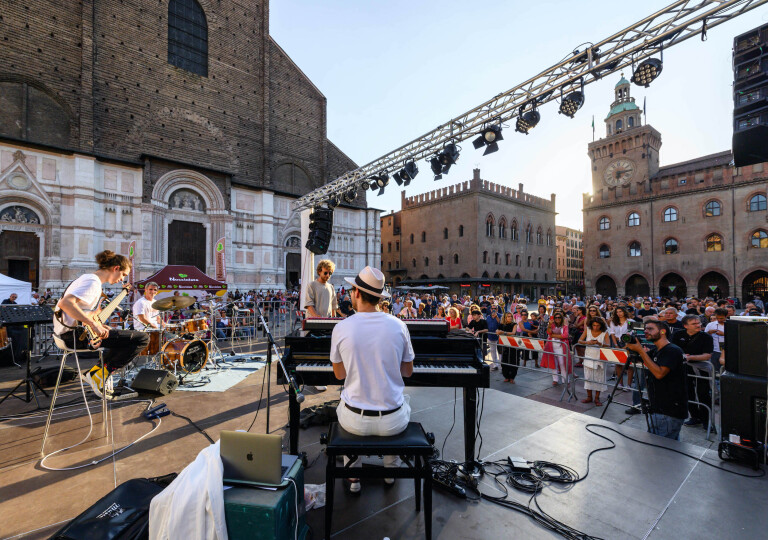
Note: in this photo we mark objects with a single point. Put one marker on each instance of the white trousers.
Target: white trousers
(382, 426)
(492, 345)
(562, 361)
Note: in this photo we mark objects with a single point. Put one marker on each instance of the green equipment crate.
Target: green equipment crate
(261, 514)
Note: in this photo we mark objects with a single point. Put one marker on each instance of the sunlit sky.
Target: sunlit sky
(392, 71)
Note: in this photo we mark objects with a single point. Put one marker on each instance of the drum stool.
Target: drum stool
(412, 444)
(61, 344)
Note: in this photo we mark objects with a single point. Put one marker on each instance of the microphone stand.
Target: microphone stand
(299, 397)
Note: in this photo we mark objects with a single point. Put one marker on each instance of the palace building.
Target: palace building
(476, 237)
(694, 228)
(570, 260)
(170, 124)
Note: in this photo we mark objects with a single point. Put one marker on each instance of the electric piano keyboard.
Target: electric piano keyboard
(453, 361)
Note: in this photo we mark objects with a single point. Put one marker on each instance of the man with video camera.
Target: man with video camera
(666, 384)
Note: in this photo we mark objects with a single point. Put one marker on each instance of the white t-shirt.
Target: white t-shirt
(372, 346)
(716, 340)
(86, 288)
(143, 307)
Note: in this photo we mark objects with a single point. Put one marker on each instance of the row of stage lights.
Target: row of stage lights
(527, 119)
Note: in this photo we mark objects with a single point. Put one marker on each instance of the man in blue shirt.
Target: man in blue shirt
(494, 320)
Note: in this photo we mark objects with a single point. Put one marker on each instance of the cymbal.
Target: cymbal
(173, 302)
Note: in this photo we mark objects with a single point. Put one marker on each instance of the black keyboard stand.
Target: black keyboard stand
(27, 380)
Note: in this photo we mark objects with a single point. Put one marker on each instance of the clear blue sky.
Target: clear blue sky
(394, 70)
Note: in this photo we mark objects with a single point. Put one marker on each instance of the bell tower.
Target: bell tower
(630, 150)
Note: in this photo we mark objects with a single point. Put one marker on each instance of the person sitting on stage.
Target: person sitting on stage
(321, 298)
(666, 383)
(371, 352)
(145, 317)
(81, 297)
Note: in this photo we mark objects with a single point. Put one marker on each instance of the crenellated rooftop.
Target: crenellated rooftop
(478, 185)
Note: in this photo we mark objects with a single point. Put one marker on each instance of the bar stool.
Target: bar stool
(67, 350)
(412, 444)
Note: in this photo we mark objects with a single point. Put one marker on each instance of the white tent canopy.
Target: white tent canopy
(10, 286)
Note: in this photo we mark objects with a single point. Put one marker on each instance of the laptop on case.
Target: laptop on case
(254, 459)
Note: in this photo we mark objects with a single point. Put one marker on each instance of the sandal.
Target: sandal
(598, 403)
(586, 400)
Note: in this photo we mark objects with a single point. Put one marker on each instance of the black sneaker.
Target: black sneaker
(631, 410)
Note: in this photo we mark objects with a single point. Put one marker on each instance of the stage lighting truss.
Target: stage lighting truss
(633, 45)
(527, 120)
(572, 102)
(489, 138)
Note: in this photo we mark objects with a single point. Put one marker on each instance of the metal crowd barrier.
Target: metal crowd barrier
(702, 370)
(537, 345)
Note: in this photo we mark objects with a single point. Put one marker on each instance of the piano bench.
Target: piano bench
(413, 444)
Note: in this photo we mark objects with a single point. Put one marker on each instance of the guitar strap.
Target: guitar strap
(57, 311)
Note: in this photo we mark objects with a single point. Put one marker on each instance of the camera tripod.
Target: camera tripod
(633, 359)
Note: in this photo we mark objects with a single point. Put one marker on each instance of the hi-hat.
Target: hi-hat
(173, 302)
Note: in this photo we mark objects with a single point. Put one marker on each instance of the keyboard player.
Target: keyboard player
(371, 352)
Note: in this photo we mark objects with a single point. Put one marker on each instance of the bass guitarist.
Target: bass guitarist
(79, 306)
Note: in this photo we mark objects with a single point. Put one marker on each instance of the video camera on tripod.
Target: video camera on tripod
(635, 334)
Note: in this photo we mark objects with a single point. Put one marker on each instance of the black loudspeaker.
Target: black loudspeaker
(155, 382)
(746, 348)
(742, 406)
(750, 97)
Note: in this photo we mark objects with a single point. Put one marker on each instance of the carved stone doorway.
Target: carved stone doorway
(186, 244)
(20, 257)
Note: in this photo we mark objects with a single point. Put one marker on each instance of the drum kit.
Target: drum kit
(185, 345)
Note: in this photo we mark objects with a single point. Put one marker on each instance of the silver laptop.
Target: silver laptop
(254, 459)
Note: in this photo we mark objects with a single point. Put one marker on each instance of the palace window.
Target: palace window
(635, 250)
(496, 258)
(489, 226)
(528, 234)
(670, 246)
(670, 214)
(513, 232)
(604, 224)
(757, 203)
(502, 229)
(455, 258)
(712, 209)
(423, 237)
(760, 239)
(461, 230)
(188, 36)
(485, 257)
(539, 237)
(633, 219)
(445, 233)
(714, 242)
(440, 260)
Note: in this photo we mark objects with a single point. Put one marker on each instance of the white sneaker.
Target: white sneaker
(95, 378)
(389, 481)
(323, 389)
(354, 486)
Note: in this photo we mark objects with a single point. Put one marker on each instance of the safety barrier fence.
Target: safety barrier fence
(528, 346)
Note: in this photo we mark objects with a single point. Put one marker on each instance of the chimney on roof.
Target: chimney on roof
(520, 188)
(475, 174)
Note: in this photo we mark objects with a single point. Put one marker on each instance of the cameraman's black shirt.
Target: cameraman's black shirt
(698, 343)
(669, 396)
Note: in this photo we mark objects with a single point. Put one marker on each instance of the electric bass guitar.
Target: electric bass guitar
(86, 333)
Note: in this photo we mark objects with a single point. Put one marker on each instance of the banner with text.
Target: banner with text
(221, 262)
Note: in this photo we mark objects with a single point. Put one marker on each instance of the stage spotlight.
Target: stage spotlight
(351, 195)
(489, 137)
(448, 156)
(647, 72)
(334, 201)
(437, 168)
(409, 172)
(528, 120)
(571, 103)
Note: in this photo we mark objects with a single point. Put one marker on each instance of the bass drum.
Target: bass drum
(190, 355)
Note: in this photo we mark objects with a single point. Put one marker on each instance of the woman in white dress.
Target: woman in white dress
(594, 337)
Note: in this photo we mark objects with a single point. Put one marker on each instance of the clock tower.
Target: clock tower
(629, 153)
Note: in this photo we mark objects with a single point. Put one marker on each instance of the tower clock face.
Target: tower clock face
(619, 172)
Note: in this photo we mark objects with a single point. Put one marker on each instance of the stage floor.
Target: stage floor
(632, 491)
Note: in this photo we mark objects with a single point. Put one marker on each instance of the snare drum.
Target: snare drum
(153, 347)
(4, 338)
(194, 325)
(190, 355)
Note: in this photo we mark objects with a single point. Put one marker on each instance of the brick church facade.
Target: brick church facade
(171, 124)
(697, 228)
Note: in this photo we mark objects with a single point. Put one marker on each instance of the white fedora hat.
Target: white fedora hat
(371, 281)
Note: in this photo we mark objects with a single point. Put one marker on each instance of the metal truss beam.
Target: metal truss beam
(674, 24)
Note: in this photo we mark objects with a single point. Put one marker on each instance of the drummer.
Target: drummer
(145, 317)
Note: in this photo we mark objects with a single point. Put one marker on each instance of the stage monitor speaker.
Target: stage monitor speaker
(155, 382)
(746, 348)
(742, 406)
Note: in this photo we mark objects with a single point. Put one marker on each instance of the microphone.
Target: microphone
(299, 396)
